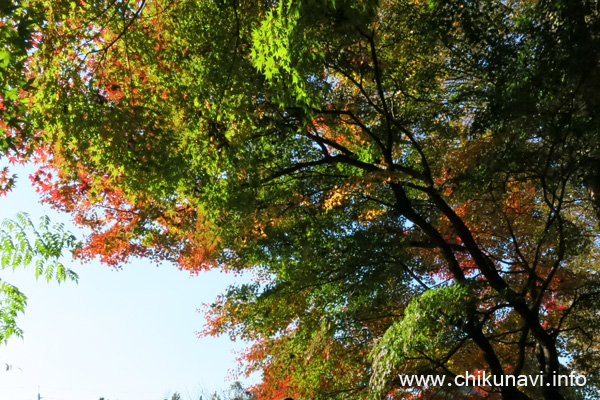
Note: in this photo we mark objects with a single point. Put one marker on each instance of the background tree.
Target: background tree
(175, 396)
(413, 183)
(238, 392)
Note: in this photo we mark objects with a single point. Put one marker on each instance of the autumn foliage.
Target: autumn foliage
(412, 184)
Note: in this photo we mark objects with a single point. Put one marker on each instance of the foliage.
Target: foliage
(22, 244)
(175, 396)
(18, 141)
(430, 329)
(373, 163)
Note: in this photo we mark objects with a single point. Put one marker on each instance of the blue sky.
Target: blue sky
(121, 335)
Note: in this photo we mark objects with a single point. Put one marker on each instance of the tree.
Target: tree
(21, 242)
(413, 183)
(238, 392)
(175, 396)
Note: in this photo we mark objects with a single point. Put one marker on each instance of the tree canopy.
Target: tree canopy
(414, 184)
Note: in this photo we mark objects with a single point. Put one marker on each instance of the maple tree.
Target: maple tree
(414, 184)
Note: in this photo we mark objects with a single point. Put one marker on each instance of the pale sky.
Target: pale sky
(121, 335)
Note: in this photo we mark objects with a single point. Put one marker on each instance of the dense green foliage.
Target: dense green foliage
(375, 165)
